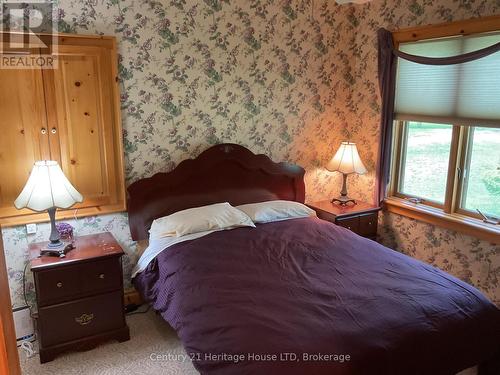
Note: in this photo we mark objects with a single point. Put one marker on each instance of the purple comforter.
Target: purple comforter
(305, 296)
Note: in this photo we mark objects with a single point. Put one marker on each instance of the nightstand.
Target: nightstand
(361, 218)
(79, 297)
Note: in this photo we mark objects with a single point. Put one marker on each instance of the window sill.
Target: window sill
(460, 223)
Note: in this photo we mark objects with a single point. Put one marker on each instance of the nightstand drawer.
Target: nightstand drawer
(82, 318)
(56, 285)
(351, 223)
(361, 218)
(79, 296)
(102, 275)
(326, 216)
(63, 283)
(368, 225)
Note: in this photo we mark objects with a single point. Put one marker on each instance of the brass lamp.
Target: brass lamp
(346, 161)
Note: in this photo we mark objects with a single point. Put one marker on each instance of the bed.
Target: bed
(301, 296)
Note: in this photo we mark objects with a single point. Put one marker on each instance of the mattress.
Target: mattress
(305, 296)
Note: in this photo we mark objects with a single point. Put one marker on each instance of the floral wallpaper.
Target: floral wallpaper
(470, 259)
(263, 73)
(288, 78)
(477, 262)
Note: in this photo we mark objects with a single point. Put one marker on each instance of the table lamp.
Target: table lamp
(48, 189)
(346, 161)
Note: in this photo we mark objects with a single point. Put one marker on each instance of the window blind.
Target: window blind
(465, 94)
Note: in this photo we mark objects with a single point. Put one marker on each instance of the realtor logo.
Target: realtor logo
(27, 34)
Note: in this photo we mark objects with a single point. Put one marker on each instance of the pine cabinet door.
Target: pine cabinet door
(23, 132)
(70, 114)
(83, 92)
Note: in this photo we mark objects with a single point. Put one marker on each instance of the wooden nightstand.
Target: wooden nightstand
(361, 218)
(79, 297)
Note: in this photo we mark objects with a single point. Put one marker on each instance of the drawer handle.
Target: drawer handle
(101, 276)
(59, 284)
(84, 319)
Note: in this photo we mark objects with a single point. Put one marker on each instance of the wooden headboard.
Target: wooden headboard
(223, 173)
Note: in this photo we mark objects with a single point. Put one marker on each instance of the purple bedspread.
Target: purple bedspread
(240, 300)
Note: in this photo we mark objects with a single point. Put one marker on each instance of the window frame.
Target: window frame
(464, 165)
(458, 162)
(400, 140)
(450, 214)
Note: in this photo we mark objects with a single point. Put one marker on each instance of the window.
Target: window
(467, 93)
(446, 146)
(438, 164)
(481, 180)
(425, 156)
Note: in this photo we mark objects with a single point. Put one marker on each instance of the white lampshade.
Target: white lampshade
(346, 160)
(47, 187)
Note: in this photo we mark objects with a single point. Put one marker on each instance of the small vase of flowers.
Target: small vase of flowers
(65, 231)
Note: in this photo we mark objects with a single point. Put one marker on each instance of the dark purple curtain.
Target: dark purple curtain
(452, 60)
(387, 65)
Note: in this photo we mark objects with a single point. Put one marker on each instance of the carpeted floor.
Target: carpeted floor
(149, 335)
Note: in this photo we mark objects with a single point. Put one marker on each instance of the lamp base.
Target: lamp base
(57, 250)
(343, 201)
(55, 245)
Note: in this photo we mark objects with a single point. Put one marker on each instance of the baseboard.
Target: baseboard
(132, 296)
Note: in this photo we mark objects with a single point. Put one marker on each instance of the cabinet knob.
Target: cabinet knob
(101, 276)
(43, 131)
(59, 284)
(53, 130)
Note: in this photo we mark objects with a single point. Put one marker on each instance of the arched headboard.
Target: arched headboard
(223, 173)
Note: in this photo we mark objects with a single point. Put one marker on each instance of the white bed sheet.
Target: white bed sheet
(156, 246)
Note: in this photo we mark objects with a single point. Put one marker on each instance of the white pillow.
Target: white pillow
(267, 212)
(219, 216)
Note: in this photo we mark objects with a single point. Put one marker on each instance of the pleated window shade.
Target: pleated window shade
(463, 94)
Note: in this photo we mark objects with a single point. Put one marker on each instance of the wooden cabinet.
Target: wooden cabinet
(79, 297)
(84, 97)
(361, 218)
(22, 115)
(69, 114)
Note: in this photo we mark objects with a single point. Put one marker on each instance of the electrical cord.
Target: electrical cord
(24, 291)
(26, 345)
(77, 226)
(139, 312)
(28, 348)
